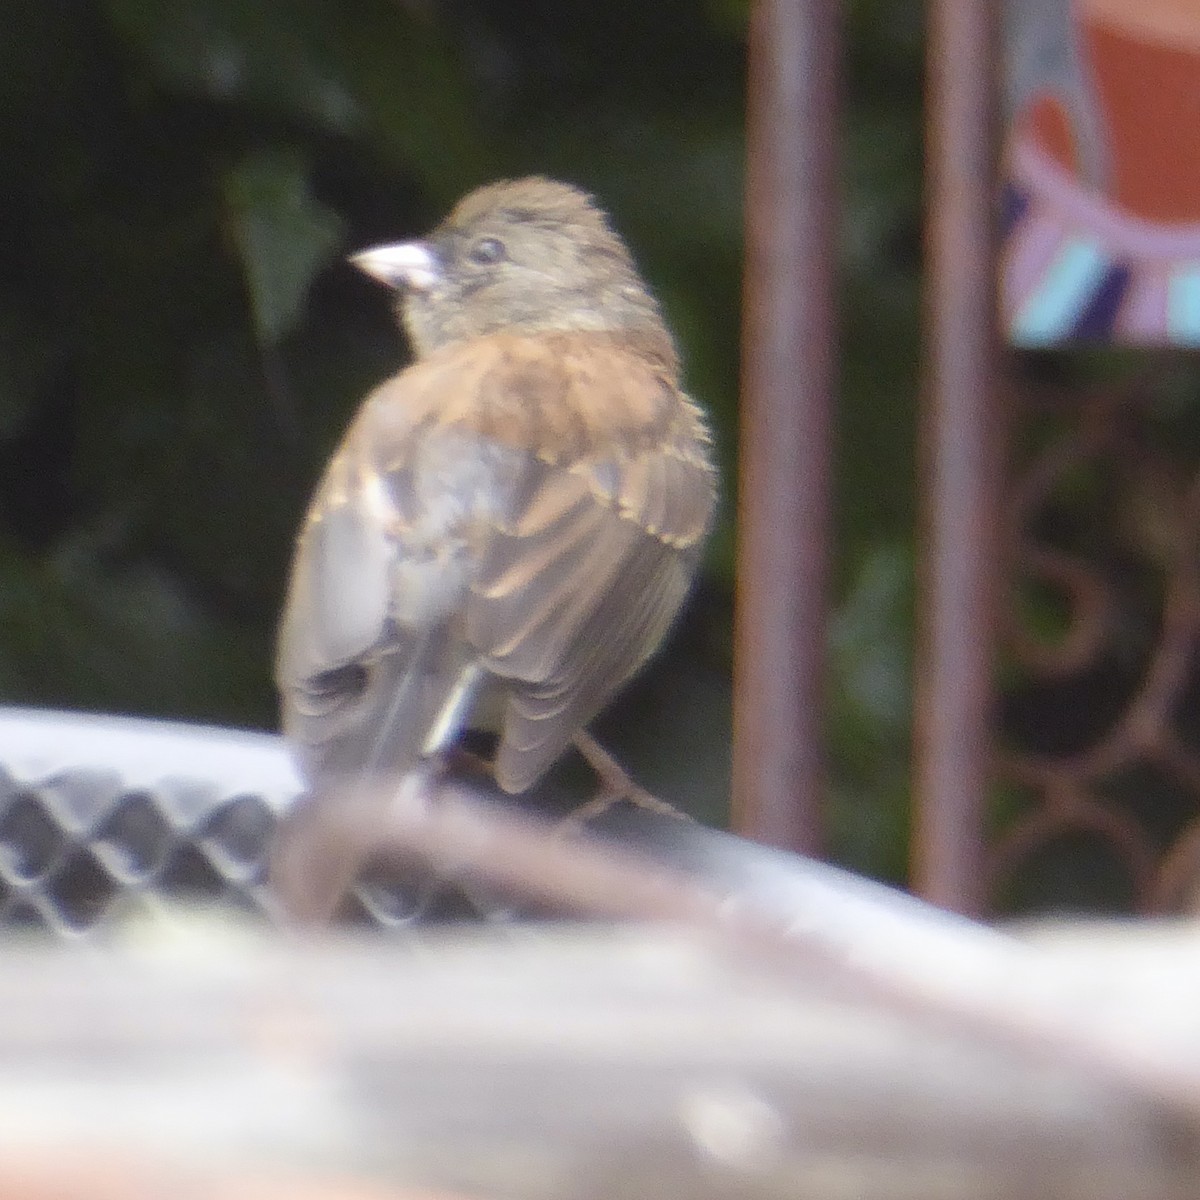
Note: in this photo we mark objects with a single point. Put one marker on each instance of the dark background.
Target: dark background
(181, 341)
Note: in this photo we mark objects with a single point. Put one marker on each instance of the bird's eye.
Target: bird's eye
(486, 251)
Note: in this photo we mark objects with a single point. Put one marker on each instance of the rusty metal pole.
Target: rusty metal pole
(787, 388)
(960, 468)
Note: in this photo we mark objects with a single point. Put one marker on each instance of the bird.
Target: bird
(510, 523)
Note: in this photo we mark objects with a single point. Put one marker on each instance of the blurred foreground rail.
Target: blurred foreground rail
(564, 1062)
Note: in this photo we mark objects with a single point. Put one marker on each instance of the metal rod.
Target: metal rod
(787, 386)
(959, 473)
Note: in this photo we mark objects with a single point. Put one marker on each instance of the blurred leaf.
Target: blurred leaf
(284, 237)
(79, 634)
(234, 50)
(375, 70)
(732, 15)
(870, 711)
(26, 354)
(867, 644)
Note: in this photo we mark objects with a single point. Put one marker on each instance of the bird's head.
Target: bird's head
(527, 255)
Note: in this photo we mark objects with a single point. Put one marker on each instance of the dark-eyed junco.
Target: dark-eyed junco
(511, 523)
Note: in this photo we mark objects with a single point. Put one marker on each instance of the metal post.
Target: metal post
(787, 385)
(959, 475)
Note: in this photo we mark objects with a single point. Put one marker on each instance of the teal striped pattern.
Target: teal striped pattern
(1050, 312)
(1183, 305)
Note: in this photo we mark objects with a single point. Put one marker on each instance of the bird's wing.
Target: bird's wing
(577, 591)
(371, 659)
(528, 508)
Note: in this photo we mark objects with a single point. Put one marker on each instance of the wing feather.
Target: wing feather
(609, 582)
(373, 668)
(540, 720)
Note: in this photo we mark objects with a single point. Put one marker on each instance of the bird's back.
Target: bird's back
(517, 517)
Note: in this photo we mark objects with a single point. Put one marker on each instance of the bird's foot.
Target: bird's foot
(616, 784)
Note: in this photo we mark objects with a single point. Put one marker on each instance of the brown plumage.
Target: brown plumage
(511, 523)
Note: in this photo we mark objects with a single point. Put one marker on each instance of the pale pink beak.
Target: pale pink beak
(410, 265)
